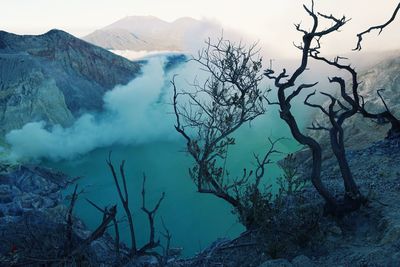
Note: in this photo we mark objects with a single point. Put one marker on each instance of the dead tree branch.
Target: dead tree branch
(69, 230)
(208, 115)
(98, 232)
(377, 27)
(124, 197)
(105, 211)
(151, 244)
(355, 100)
(217, 108)
(283, 82)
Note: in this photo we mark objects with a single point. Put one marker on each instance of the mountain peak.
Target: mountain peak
(146, 33)
(57, 32)
(54, 77)
(185, 19)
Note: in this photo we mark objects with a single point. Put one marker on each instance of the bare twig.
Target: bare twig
(124, 197)
(69, 241)
(377, 27)
(151, 244)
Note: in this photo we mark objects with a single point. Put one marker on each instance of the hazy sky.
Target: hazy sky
(271, 21)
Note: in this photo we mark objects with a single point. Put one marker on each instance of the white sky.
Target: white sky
(270, 21)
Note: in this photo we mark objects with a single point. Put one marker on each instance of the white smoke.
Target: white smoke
(135, 55)
(133, 114)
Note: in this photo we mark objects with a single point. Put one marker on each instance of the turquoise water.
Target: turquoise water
(195, 220)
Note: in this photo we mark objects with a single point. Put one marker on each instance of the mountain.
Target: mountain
(359, 131)
(149, 33)
(55, 77)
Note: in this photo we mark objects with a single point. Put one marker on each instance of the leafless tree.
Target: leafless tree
(123, 193)
(337, 112)
(211, 112)
(355, 100)
(288, 89)
(124, 197)
(151, 244)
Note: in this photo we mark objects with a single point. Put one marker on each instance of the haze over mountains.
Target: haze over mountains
(56, 77)
(148, 33)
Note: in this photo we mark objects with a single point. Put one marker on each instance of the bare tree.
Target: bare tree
(124, 197)
(355, 99)
(337, 111)
(211, 112)
(288, 90)
(150, 216)
(123, 193)
(108, 217)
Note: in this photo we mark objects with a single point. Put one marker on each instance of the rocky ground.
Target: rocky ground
(32, 216)
(33, 220)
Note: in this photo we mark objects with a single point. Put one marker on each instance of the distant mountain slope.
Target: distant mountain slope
(55, 77)
(152, 34)
(359, 131)
(118, 39)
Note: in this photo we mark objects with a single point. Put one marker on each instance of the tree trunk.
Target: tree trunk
(316, 151)
(353, 199)
(131, 230)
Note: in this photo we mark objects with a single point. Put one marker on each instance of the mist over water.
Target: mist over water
(131, 116)
(137, 125)
(195, 220)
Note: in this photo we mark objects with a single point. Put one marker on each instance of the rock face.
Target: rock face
(55, 77)
(26, 189)
(360, 132)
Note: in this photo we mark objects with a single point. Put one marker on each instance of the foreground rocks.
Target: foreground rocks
(29, 188)
(33, 220)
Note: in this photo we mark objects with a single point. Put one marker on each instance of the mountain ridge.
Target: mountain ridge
(55, 77)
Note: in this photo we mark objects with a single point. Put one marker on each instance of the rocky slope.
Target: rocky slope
(33, 220)
(55, 77)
